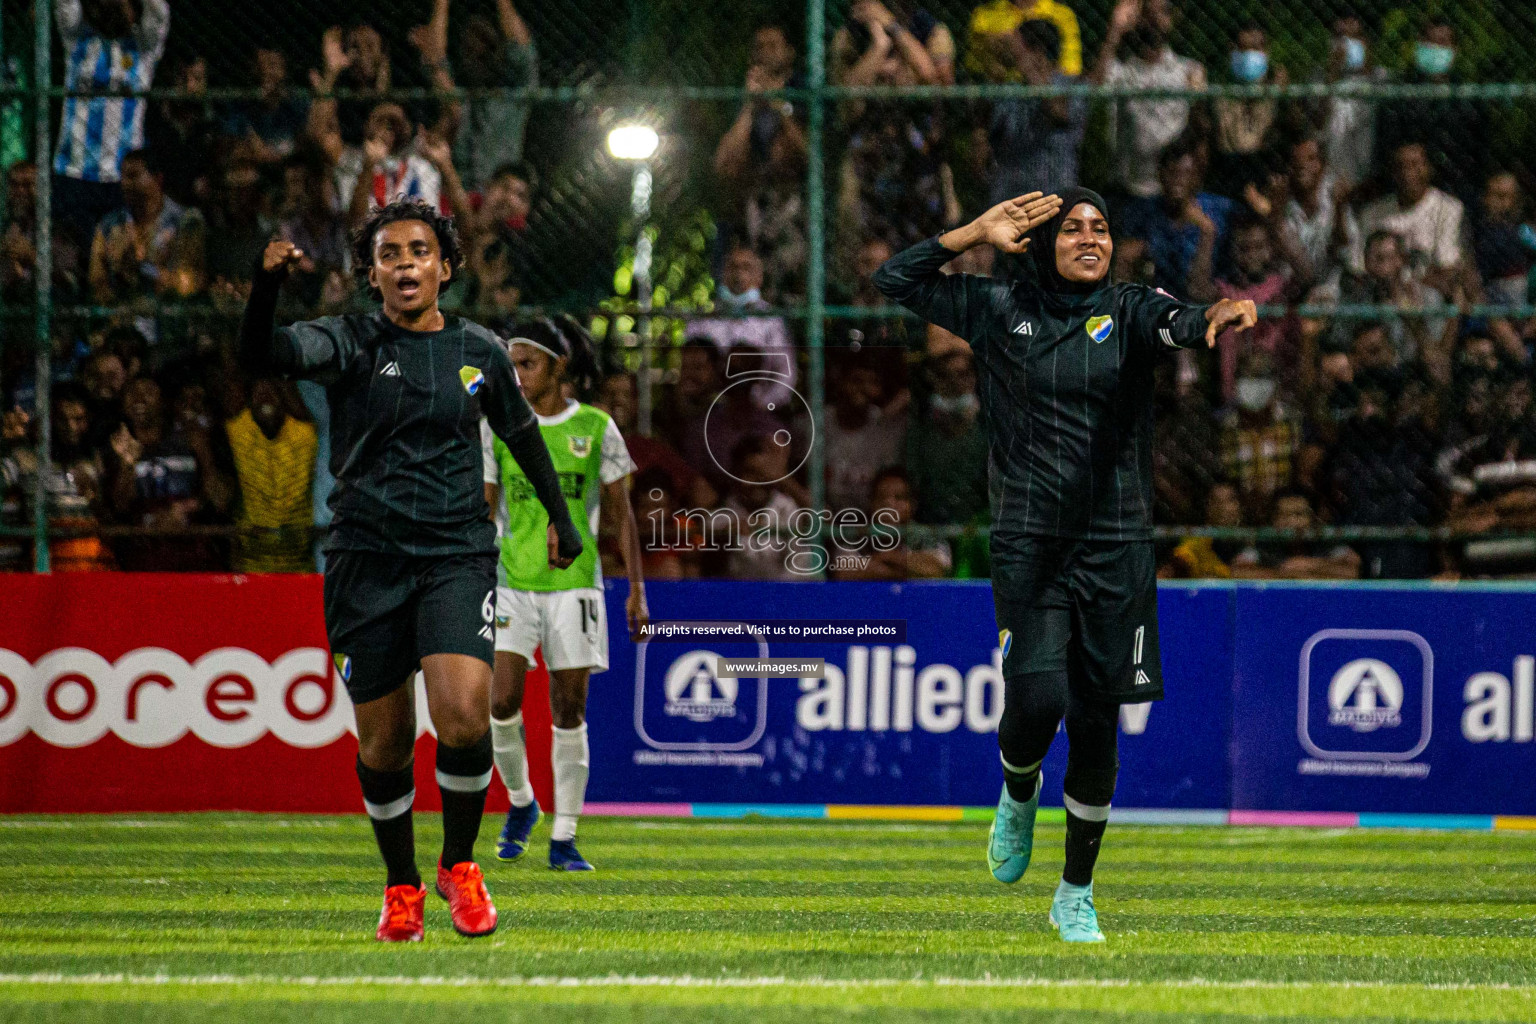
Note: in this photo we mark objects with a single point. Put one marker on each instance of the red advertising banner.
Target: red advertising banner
(168, 692)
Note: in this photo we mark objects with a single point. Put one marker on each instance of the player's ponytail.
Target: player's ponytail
(581, 368)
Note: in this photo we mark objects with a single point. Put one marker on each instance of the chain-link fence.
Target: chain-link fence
(1358, 170)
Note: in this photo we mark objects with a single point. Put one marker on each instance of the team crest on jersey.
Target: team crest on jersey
(1100, 327)
(1005, 641)
(472, 378)
(581, 447)
(343, 667)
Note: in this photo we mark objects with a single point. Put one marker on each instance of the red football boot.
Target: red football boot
(404, 915)
(468, 902)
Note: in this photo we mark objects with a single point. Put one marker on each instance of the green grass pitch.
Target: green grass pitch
(237, 918)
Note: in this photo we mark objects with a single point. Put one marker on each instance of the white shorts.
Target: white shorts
(571, 626)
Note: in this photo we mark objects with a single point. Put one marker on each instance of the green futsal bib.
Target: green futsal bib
(575, 442)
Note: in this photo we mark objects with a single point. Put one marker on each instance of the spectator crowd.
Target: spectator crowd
(1417, 414)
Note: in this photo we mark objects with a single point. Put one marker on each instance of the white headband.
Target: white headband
(529, 341)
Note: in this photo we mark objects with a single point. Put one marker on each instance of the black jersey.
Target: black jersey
(405, 424)
(1065, 384)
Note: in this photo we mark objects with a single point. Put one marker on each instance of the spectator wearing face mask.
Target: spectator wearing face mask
(946, 442)
(1247, 129)
(1454, 133)
(739, 295)
(1348, 125)
(1260, 437)
(1144, 128)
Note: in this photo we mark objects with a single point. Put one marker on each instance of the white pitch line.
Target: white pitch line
(689, 981)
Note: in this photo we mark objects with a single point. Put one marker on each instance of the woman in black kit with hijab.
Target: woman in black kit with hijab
(1065, 359)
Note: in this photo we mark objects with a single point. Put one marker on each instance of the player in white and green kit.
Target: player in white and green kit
(560, 610)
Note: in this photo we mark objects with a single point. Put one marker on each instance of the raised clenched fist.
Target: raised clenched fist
(280, 255)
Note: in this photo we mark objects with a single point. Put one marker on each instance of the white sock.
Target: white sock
(571, 761)
(511, 756)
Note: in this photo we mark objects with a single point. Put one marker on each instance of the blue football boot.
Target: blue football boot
(1012, 838)
(513, 841)
(563, 856)
(1073, 915)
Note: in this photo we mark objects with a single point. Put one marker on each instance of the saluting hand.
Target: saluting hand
(1229, 312)
(1006, 224)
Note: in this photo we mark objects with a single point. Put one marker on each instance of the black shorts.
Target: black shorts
(384, 613)
(1085, 607)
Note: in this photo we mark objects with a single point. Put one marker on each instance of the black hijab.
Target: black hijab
(1042, 246)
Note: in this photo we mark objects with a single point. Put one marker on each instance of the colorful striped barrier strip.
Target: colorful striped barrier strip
(1055, 815)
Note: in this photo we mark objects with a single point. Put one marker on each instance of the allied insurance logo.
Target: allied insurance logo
(1365, 695)
(682, 705)
(694, 691)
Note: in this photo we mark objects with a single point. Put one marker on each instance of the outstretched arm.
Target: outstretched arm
(1160, 319)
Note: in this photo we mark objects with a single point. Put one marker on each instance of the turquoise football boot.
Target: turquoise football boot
(1073, 915)
(1012, 837)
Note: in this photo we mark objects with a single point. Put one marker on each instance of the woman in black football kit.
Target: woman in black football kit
(410, 578)
(1066, 360)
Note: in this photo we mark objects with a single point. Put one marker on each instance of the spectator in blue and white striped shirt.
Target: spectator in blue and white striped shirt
(109, 46)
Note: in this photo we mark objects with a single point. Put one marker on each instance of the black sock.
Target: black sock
(1083, 839)
(463, 776)
(1021, 785)
(391, 793)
